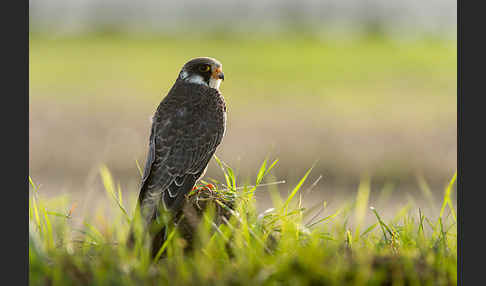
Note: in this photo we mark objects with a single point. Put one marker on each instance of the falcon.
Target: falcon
(187, 127)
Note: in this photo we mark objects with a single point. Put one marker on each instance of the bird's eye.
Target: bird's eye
(204, 68)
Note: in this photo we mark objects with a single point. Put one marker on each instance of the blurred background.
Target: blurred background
(361, 89)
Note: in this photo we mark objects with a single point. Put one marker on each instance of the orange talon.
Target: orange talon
(210, 186)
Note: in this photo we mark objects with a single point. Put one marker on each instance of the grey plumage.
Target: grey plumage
(187, 127)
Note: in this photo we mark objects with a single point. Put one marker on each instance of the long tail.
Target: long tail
(157, 240)
(173, 205)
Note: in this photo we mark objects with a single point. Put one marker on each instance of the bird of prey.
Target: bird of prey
(187, 127)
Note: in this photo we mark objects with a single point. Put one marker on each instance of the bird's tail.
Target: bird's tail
(157, 239)
(158, 233)
(141, 227)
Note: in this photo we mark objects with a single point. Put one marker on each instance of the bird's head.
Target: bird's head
(206, 71)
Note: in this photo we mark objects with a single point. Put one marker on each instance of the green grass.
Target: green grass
(286, 245)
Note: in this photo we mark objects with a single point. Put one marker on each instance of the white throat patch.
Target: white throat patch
(214, 83)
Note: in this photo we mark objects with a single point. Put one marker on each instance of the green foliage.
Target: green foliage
(285, 245)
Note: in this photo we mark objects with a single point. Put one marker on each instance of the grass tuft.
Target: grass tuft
(232, 244)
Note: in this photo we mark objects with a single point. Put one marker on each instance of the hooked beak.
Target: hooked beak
(218, 73)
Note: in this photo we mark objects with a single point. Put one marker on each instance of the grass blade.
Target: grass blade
(110, 190)
(140, 171)
(447, 197)
(295, 190)
(165, 244)
(261, 172)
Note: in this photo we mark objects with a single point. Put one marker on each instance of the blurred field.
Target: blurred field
(358, 106)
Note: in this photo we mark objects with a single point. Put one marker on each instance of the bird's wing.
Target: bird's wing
(181, 145)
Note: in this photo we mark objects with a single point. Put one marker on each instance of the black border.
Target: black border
(14, 23)
(471, 142)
